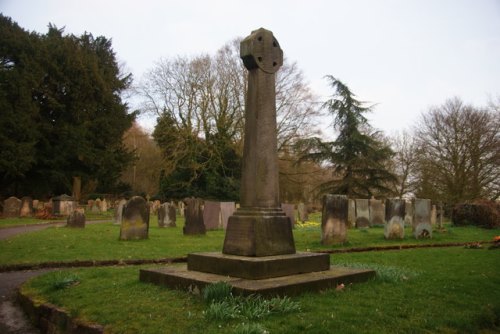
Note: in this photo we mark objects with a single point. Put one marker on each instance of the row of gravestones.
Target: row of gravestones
(27, 207)
(335, 218)
(364, 213)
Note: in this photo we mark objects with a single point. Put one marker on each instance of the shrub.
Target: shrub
(482, 213)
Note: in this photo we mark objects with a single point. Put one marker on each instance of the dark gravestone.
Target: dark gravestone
(76, 219)
(395, 224)
(193, 214)
(362, 213)
(26, 207)
(11, 207)
(334, 219)
(165, 217)
(211, 215)
(135, 219)
(422, 227)
(260, 227)
(377, 212)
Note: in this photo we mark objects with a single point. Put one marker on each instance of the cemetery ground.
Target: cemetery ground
(448, 290)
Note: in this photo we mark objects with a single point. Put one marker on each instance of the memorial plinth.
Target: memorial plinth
(259, 254)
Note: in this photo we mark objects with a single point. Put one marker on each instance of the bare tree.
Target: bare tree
(459, 153)
(404, 163)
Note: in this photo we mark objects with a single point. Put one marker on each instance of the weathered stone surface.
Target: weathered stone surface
(289, 210)
(135, 219)
(11, 207)
(362, 213)
(433, 215)
(194, 217)
(76, 219)
(394, 227)
(258, 267)
(227, 210)
(377, 212)
(422, 227)
(119, 211)
(63, 205)
(104, 205)
(212, 215)
(334, 219)
(26, 207)
(351, 213)
(181, 207)
(165, 216)
(409, 213)
(302, 212)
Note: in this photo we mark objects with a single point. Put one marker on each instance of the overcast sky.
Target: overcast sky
(403, 55)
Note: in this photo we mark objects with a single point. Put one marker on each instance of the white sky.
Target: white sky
(403, 55)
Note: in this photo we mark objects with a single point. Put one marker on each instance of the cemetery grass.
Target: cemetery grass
(100, 242)
(446, 290)
(13, 222)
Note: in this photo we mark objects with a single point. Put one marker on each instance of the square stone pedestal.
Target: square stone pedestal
(269, 276)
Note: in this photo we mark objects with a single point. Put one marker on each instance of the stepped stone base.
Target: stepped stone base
(179, 277)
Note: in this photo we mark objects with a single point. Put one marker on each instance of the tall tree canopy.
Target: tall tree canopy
(62, 113)
(358, 158)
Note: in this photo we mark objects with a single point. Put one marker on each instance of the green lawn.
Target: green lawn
(446, 290)
(12, 222)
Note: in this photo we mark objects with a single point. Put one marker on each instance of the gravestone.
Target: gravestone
(289, 210)
(119, 211)
(351, 213)
(408, 213)
(212, 215)
(135, 219)
(394, 227)
(11, 207)
(156, 207)
(96, 208)
(302, 212)
(63, 205)
(377, 212)
(433, 215)
(193, 214)
(226, 210)
(181, 206)
(422, 227)
(76, 219)
(166, 215)
(362, 213)
(104, 205)
(26, 207)
(90, 205)
(334, 219)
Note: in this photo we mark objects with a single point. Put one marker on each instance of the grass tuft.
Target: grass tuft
(384, 273)
(62, 281)
(217, 292)
(251, 328)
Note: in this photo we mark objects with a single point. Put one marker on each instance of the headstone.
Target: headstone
(165, 216)
(76, 219)
(362, 213)
(377, 212)
(212, 215)
(226, 210)
(104, 206)
(11, 207)
(260, 227)
(96, 208)
(334, 219)
(351, 213)
(90, 205)
(181, 206)
(433, 215)
(119, 211)
(135, 219)
(63, 205)
(156, 207)
(289, 210)
(422, 227)
(408, 213)
(26, 207)
(395, 225)
(193, 213)
(302, 212)
(36, 202)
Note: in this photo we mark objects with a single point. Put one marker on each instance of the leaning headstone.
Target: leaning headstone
(377, 212)
(119, 211)
(409, 213)
(302, 212)
(334, 219)
(11, 207)
(165, 217)
(26, 207)
(135, 219)
(211, 215)
(351, 214)
(395, 225)
(433, 215)
(289, 210)
(226, 210)
(76, 219)
(422, 227)
(362, 213)
(193, 213)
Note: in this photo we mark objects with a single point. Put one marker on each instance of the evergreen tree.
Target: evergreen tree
(357, 157)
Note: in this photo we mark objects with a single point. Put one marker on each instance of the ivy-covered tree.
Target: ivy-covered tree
(70, 102)
(357, 157)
